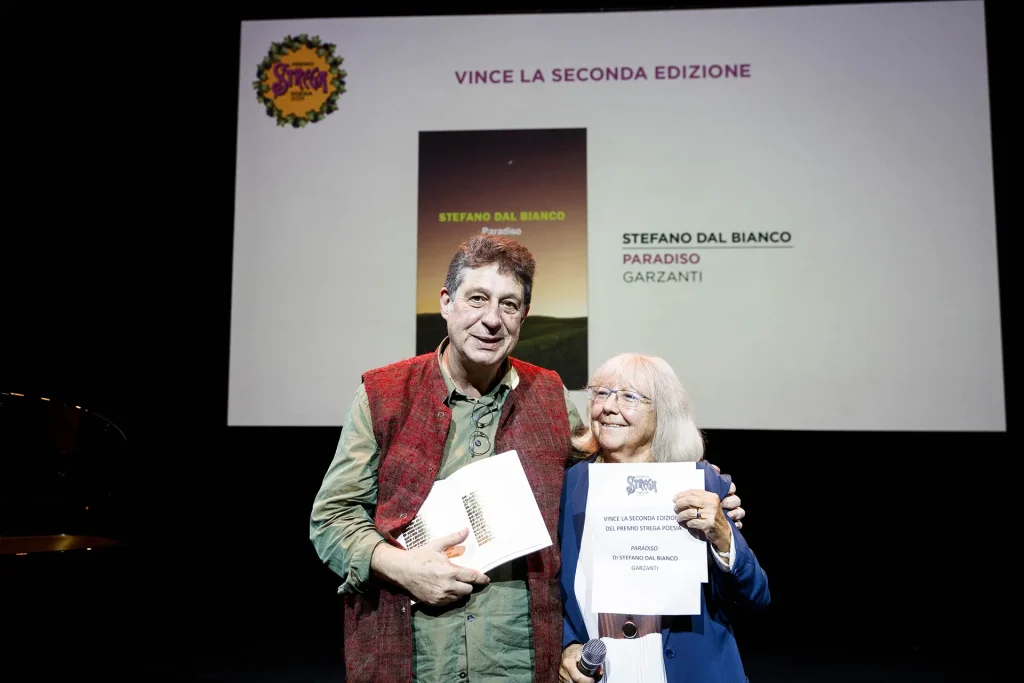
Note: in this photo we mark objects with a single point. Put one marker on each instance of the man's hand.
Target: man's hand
(426, 572)
(731, 503)
(568, 672)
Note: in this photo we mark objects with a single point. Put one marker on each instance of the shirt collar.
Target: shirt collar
(509, 380)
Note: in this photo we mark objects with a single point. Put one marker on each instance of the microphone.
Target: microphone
(592, 657)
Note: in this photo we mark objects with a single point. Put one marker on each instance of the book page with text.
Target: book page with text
(494, 499)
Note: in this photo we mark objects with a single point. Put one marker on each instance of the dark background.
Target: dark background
(883, 549)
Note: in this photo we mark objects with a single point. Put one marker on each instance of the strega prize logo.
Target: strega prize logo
(641, 486)
(300, 80)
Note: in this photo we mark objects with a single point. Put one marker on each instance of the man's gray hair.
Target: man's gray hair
(483, 250)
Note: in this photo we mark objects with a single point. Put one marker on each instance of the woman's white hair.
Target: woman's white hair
(676, 437)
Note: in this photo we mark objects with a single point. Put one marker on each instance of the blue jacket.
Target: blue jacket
(697, 649)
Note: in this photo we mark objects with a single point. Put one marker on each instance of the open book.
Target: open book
(494, 499)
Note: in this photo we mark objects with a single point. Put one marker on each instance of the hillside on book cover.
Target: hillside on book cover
(530, 185)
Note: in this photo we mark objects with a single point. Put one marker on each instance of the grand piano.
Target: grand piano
(68, 578)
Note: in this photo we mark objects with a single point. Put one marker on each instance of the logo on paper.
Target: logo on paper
(300, 80)
(641, 486)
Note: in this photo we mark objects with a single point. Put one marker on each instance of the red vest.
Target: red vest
(410, 424)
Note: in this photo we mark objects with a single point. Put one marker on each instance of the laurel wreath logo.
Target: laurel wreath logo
(300, 80)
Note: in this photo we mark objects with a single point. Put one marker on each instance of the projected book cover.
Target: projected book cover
(530, 185)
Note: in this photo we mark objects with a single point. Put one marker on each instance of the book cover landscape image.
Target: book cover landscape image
(531, 186)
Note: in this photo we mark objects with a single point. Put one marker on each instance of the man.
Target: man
(420, 420)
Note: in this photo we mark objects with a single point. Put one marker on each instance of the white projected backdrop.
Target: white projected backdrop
(863, 131)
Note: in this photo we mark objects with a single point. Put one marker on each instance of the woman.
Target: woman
(639, 412)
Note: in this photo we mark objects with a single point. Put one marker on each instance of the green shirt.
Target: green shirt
(485, 635)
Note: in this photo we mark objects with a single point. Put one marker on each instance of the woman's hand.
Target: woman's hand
(701, 510)
(568, 672)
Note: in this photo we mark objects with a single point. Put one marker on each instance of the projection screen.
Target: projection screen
(793, 206)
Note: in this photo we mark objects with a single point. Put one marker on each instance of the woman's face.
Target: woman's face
(624, 432)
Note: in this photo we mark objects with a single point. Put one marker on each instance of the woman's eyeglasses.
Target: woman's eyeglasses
(483, 415)
(630, 399)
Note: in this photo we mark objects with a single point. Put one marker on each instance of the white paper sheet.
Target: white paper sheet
(634, 661)
(494, 499)
(644, 562)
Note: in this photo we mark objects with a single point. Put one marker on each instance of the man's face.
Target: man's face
(484, 316)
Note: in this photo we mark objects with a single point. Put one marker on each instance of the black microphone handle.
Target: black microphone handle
(583, 669)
